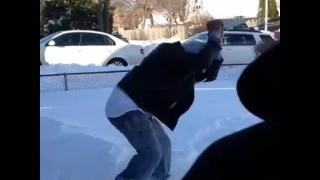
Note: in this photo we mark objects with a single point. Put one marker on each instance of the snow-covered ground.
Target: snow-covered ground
(77, 142)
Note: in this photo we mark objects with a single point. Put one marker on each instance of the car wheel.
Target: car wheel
(117, 62)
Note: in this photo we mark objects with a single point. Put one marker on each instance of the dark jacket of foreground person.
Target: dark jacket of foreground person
(259, 152)
(163, 84)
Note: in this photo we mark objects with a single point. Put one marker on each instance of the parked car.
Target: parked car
(237, 46)
(88, 47)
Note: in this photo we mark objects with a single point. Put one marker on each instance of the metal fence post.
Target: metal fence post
(65, 81)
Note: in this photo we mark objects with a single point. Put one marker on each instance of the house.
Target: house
(195, 6)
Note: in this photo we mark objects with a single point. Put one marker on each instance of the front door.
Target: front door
(65, 49)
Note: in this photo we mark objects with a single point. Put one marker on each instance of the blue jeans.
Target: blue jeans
(151, 143)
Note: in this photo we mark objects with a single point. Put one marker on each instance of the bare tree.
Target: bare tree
(142, 9)
(146, 9)
(125, 16)
(129, 13)
(99, 7)
(42, 6)
(125, 3)
(106, 23)
(183, 10)
(198, 23)
(175, 11)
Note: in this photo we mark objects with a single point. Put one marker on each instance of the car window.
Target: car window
(109, 41)
(46, 38)
(198, 37)
(70, 39)
(90, 39)
(266, 38)
(203, 37)
(239, 40)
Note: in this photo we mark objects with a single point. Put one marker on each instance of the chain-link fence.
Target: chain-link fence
(107, 79)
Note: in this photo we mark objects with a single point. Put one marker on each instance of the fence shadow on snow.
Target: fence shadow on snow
(108, 79)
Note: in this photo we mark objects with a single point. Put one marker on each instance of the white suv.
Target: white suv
(237, 46)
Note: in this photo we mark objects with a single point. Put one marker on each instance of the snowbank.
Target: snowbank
(151, 45)
(77, 142)
(159, 41)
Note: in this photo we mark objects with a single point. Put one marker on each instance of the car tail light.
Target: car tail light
(142, 51)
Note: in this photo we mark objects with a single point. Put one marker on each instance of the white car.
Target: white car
(237, 46)
(88, 47)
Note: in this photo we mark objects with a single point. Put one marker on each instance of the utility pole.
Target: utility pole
(266, 15)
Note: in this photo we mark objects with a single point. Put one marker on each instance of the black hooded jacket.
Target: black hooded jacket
(163, 84)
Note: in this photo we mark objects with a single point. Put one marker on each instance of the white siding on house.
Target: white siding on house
(195, 5)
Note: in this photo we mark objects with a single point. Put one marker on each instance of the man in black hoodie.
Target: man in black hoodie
(161, 88)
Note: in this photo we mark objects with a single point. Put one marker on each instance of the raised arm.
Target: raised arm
(202, 54)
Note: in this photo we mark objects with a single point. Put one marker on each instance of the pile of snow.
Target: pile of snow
(159, 41)
(77, 142)
(149, 46)
(140, 42)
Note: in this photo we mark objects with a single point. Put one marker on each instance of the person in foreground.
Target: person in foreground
(161, 89)
(261, 151)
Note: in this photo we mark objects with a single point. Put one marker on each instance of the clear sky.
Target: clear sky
(231, 8)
